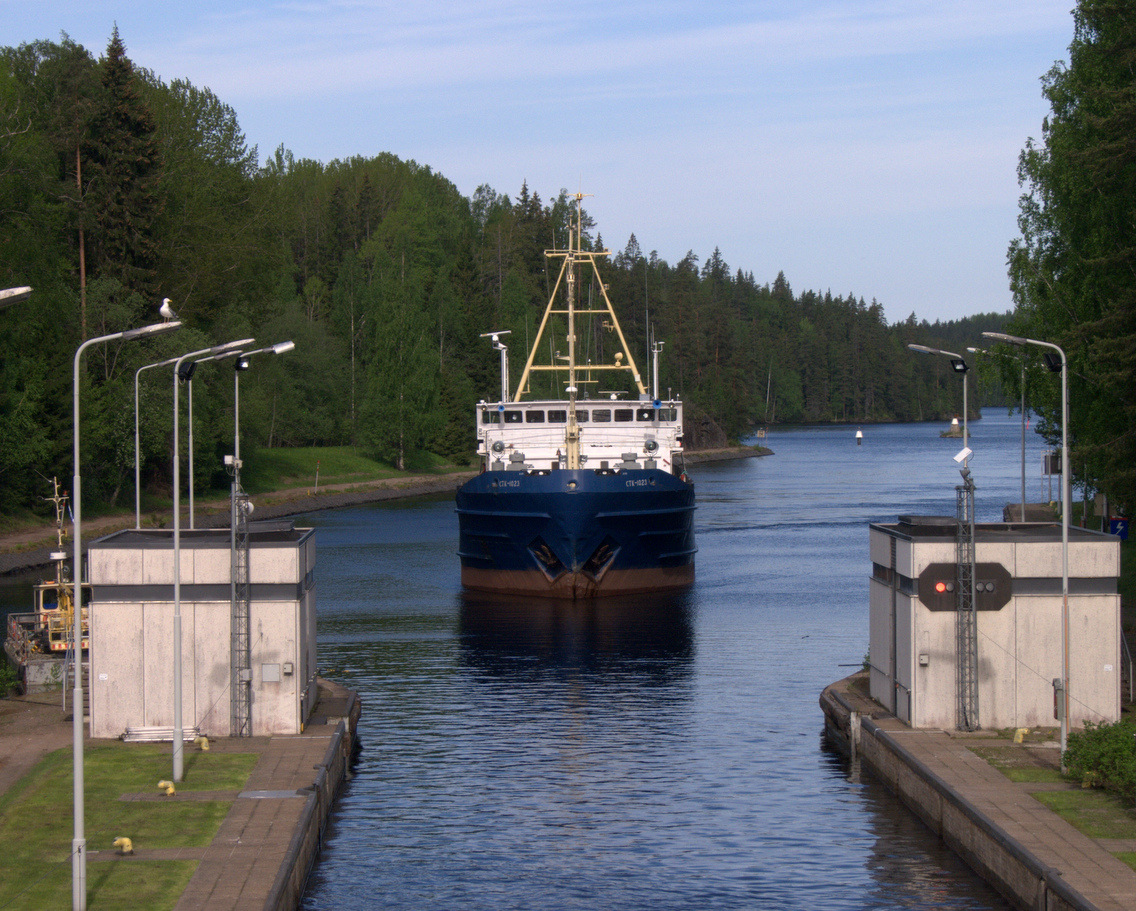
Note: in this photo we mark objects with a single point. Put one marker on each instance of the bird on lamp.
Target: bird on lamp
(166, 310)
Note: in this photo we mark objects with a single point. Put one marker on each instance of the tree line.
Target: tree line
(118, 189)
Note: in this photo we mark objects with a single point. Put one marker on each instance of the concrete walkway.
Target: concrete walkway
(241, 867)
(1022, 848)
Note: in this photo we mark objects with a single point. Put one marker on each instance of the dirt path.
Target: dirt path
(30, 728)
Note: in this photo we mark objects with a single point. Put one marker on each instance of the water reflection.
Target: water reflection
(648, 638)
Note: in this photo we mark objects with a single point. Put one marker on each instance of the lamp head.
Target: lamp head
(14, 295)
(153, 329)
(241, 363)
(185, 370)
(959, 365)
(1003, 337)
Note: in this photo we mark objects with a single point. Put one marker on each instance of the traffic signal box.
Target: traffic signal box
(938, 585)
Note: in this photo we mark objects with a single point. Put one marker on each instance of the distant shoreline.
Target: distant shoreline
(29, 550)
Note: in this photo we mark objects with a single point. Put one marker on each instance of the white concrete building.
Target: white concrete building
(913, 634)
(131, 630)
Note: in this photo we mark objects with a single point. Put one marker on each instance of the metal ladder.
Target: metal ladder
(240, 705)
(966, 620)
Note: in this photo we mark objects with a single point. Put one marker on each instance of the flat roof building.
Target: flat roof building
(914, 638)
(131, 630)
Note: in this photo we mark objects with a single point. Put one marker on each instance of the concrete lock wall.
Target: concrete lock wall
(132, 641)
(913, 648)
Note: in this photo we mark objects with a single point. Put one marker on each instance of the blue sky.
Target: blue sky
(860, 146)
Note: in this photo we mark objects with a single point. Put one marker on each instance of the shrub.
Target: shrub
(9, 678)
(1104, 756)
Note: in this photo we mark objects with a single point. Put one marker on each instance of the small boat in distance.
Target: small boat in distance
(579, 495)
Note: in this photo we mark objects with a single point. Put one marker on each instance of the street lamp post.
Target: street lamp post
(242, 364)
(1064, 367)
(188, 370)
(959, 366)
(137, 461)
(79, 841)
(1022, 516)
(178, 746)
(239, 682)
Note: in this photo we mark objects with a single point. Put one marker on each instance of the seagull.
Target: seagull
(166, 310)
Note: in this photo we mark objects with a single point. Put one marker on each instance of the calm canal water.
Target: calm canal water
(640, 754)
(646, 754)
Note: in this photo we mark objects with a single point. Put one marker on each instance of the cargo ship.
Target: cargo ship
(583, 493)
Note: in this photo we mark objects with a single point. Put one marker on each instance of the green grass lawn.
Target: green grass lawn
(37, 825)
(1098, 814)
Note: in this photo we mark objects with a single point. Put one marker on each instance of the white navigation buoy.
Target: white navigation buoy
(859, 437)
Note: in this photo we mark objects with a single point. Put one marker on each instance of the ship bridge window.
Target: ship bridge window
(490, 417)
(513, 417)
(558, 417)
(601, 415)
(623, 415)
(582, 416)
(657, 414)
(534, 417)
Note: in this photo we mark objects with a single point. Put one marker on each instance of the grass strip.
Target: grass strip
(37, 825)
(1096, 813)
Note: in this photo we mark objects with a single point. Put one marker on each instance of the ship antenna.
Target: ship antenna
(500, 346)
(572, 438)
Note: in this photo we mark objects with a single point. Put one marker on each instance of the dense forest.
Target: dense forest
(1073, 269)
(118, 189)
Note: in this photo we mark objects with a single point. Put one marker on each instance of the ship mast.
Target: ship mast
(623, 361)
(572, 432)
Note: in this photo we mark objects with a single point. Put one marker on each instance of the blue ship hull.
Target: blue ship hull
(576, 533)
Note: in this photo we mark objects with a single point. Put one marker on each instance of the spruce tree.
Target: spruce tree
(123, 169)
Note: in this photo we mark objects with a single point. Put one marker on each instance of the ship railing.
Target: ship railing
(22, 638)
(543, 450)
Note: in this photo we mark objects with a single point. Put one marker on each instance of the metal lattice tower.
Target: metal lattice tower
(240, 713)
(966, 672)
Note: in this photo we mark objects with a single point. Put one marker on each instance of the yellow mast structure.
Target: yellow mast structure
(568, 277)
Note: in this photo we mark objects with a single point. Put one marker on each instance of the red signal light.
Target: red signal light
(940, 587)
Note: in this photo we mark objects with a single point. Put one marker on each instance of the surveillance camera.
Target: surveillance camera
(965, 454)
